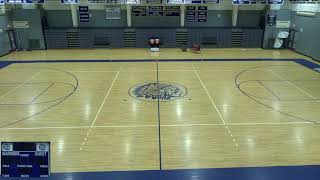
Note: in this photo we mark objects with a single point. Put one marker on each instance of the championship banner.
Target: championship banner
(211, 1)
(191, 13)
(202, 13)
(69, 1)
(175, 1)
(271, 18)
(155, 10)
(172, 11)
(113, 12)
(275, 1)
(139, 11)
(84, 13)
(154, 1)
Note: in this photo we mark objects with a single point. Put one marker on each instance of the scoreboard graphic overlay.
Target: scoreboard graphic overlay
(25, 159)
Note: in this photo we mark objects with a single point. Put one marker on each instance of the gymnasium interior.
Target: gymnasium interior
(160, 89)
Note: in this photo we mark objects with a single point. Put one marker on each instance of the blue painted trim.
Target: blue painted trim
(4, 64)
(299, 61)
(310, 172)
(148, 60)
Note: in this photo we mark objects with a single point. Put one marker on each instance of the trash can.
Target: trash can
(278, 43)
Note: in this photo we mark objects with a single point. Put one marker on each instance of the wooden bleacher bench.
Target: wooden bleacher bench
(209, 42)
(101, 42)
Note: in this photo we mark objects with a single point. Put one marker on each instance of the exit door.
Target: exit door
(12, 40)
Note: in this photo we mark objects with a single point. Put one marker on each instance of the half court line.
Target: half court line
(159, 121)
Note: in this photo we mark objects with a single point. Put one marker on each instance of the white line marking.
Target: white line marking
(215, 106)
(156, 125)
(97, 115)
(26, 81)
(105, 99)
(301, 90)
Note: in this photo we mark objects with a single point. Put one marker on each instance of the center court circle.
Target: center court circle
(151, 91)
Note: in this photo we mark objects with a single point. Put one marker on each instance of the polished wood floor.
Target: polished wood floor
(134, 53)
(235, 114)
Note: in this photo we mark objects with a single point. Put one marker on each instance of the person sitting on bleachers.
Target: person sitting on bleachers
(195, 48)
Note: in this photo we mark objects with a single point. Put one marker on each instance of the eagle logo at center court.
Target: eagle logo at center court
(151, 91)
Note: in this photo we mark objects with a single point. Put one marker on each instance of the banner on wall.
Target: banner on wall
(191, 13)
(113, 12)
(236, 2)
(132, 1)
(275, 1)
(172, 11)
(14, 1)
(271, 18)
(84, 14)
(202, 13)
(154, 1)
(175, 1)
(139, 11)
(155, 10)
(211, 1)
(69, 1)
(309, 2)
(193, 1)
(22, 1)
(96, 1)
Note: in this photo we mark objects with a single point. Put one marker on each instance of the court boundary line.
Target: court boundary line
(274, 172)
(210, 170)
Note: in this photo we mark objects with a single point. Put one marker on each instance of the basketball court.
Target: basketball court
(158, 114)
